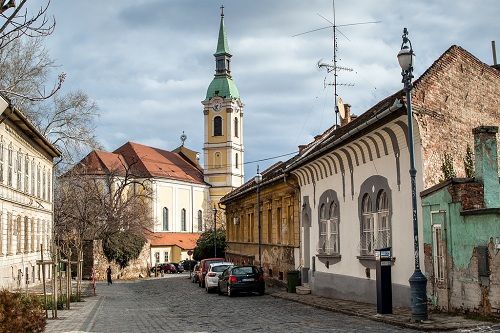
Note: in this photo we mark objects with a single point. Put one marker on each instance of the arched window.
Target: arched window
(183, 219)
(329, 216)
(383, 222)
(367, 236)
(375, 214)
(236, 162)
(200, 220)
(218, 126)
(236, 134)
(165, 219)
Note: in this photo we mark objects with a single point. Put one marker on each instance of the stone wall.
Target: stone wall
(456, 94)
(470, 195)
(132, 271)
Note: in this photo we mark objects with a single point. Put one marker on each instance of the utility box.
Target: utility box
(384, 282)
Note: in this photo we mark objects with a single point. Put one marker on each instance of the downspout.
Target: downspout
(297, 190)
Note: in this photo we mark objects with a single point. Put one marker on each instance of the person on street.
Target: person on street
(108, 273)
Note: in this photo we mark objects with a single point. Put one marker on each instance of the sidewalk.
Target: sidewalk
(400, 317)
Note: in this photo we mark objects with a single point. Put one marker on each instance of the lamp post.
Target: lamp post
(215, 231)
(418, 281)
(258, 180)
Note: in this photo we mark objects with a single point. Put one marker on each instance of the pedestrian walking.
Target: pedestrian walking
(108, 273)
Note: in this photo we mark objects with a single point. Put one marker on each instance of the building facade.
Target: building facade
(278, 225)
(355, 189)
(26, 197)
(462, 234)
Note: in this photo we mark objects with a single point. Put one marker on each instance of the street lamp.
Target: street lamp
(258, 180)
(215, 231)
(418, 281)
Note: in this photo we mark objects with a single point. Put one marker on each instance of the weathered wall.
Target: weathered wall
(279, 228)
(465, 286)
(458, 94)
(132, 271)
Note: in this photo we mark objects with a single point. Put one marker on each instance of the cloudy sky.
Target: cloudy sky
(148, 63)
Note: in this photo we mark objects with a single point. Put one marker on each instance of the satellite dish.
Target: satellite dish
(341, 108)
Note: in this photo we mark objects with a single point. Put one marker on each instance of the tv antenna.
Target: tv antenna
(334, 67)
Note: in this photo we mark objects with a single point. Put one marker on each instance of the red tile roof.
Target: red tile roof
(184, 240)
(142, 161)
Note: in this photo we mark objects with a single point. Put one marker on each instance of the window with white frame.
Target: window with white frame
(183, 219)
(329, 237)
(19, 174)
(375, 215)
(1, 159)
(33, 177)
(9, 166)
(38, 181)
(218, 126)
(44, 181)
(26, 173)
(438, 252)
(165, 219)
(165, 257)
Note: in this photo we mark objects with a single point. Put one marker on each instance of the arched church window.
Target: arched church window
(236, 134)
(183, 219)
(236, 162)
(218, 126)
(165, 219)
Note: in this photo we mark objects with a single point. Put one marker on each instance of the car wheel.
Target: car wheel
(229, 292)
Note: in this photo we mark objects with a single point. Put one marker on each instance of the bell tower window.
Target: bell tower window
(236, 127)
(218, 126)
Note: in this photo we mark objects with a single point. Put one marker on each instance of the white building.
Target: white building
(26, 218)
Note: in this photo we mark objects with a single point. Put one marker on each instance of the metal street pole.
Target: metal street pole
(418, 281)
(215, 232)
(258, 179)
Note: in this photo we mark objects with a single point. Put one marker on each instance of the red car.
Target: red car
(203, 269)
(165, 268)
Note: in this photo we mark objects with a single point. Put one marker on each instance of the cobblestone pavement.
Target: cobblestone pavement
(174, 304)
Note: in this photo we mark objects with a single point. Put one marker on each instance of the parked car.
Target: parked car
(238, 279)
(194, 277)
(202, 271)
(179, 268)
(212, 277)
(165, 268)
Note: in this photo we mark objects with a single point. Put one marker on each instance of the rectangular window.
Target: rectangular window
(165, 257)
(10, 229)
(367, 236)
(26, 173)
(279, 226)
(183, 219)
(438, 252)
(9, 166)
(33, 177)
(19, 170)
(1, 160)
(38, 180)
(44, 178)
(32, 235)
(290, 225)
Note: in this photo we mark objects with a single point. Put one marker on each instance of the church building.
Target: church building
(184, 193)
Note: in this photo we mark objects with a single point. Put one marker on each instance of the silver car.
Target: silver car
(212, 277)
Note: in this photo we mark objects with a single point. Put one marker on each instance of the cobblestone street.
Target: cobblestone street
(174, 304)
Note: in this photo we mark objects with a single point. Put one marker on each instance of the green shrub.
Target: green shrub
(20, 313)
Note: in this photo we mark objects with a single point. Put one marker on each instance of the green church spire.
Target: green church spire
(222, 46)
(222, 85)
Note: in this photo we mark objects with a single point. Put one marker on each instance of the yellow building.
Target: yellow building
(279, 223)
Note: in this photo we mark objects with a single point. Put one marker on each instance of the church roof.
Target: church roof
(184, 240)
(142, 161)
(222, 45)
(224, 87)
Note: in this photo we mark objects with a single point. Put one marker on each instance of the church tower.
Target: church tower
(223, 115)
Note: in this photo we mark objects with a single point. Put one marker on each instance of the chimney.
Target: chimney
(301, 148)
(347, 119)
(486, 163)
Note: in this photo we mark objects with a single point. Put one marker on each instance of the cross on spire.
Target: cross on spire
(222, 11)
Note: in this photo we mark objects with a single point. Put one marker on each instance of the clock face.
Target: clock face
(217, 106)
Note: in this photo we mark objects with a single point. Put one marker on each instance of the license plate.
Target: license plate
(248, 280)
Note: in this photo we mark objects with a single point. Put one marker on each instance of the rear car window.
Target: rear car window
(243, 270)
(220, 268)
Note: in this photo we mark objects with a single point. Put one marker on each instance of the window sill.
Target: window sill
(328, 256)
(369, 257)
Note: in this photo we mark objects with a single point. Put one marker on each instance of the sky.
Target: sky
(148, 63)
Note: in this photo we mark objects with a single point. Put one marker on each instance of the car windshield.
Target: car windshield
(219, 268)
(243, 270)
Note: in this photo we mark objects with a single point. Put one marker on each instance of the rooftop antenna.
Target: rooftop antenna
(334, 67)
